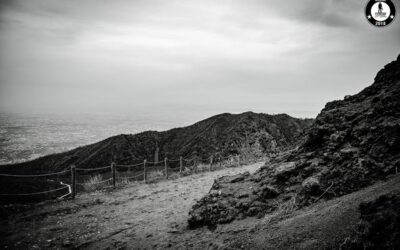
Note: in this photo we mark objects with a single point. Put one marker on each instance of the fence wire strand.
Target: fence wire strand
(128, 166)
(34, 175)
(92, 169)
(35, 193)
(156, 162)
(174, 160)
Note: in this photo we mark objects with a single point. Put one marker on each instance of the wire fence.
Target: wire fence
(92, 169)
(34, 175)
(89, 179)
(35, 193)
(129, 166)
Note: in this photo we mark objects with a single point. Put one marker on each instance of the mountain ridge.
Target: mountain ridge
(222, 135)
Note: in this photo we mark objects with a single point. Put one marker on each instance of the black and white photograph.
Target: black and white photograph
(200, 124)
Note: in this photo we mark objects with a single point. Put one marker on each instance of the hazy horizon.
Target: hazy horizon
(26, 137)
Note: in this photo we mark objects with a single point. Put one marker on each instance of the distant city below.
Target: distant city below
(25, 137)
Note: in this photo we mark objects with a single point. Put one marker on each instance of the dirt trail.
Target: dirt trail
(136, 216)
(154, 216)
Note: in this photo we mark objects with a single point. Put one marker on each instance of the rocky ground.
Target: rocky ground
(154, 216)
(352, 144)
(322, 225)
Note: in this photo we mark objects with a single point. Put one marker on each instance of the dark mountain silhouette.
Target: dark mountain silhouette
(353, 143)
(221, 135)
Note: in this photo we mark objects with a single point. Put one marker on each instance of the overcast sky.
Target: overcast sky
(187, 58)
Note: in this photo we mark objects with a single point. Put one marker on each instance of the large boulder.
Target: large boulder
(311, 184)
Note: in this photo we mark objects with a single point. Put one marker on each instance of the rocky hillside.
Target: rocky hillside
(248, 134)
(353, 143)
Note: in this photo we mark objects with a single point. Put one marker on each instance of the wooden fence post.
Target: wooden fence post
(73, 181)
(144, 171)
(211, 162)
(166, 167)
(113, 173)
(180, 165)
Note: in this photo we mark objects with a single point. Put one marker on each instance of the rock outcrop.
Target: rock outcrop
(352, 144)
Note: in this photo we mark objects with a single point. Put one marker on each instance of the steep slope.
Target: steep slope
(352, 143)
(221, 135)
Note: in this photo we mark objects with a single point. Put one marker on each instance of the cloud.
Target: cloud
(210, 56)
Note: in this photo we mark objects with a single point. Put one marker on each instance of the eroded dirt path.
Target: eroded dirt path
(136, 216)
(154, 216)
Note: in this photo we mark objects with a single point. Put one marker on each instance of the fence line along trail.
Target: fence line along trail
(134, 216)
(91, 178)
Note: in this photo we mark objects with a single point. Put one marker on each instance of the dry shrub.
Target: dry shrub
(203, 167)
(94, 182)
(127, 180)
(232, 161)
(131, 178)
(124, 180)
(173, 176)
(186, 171)
(155, 174)
(282, 210)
